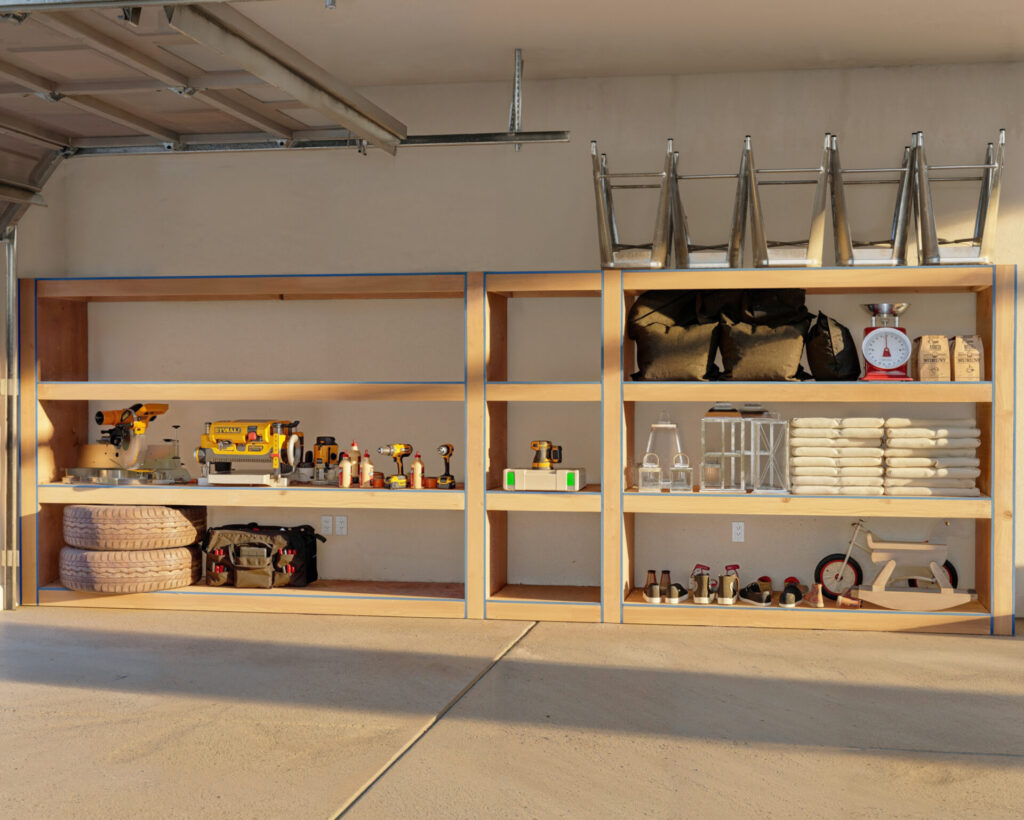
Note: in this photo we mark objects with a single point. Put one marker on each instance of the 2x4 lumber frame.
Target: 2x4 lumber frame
(263, 61)
(11, 6)
(212, 79)
(71, 26)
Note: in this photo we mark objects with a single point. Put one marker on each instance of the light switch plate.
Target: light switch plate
(341, 525)
(326, 524)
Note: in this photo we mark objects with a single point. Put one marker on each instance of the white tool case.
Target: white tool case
(564, 481)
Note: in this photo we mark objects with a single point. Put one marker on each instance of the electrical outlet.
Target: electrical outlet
(326, 525)
(341, 525)
(737, 532)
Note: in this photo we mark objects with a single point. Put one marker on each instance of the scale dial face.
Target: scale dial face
(886, 348)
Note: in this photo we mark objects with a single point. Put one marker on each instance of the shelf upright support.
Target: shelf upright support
(613, 423)
(11, 511)
(995, 324)
(476, 478)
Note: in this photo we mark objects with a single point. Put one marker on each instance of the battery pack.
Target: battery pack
(563, 481)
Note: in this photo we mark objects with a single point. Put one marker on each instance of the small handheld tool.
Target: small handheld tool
(325, 456)
(132, 421)
(547, 454)
(398, 481)
(446, 481)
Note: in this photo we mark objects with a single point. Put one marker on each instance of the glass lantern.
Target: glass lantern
(722, 447)
(649, 476)
(768, 454)
(680, 475)
(663, 448)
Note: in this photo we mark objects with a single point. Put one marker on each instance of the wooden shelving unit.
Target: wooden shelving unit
(55, 391)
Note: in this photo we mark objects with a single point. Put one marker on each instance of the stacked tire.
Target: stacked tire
(118, 548)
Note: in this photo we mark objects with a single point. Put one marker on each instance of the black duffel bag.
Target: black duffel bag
(254, 556)
(765, 340)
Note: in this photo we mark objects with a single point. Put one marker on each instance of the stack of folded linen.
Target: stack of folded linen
(932, 457)
(836, 456)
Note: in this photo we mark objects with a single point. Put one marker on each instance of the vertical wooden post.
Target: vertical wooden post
(476, 478)
(27, 403)
(1002, 376)
(612, 423)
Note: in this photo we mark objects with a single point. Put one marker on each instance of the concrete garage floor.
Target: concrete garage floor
(172, 714)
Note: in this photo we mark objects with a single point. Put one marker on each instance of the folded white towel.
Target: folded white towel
(861, 422)
(814, 432)
(859, 461)
(896, 434)
(860, 481)
(814, 481)
(900, 422)
(818, 490)
(861, 471)
(962, 483)
(929, 452)
(932, 472)
(931, 462)
(835, 442)
(809, 471)
(939, 491)
(839, 452)
(933, 443)
(861, 491)
(813, 461)
(813, 423)
(861, 432)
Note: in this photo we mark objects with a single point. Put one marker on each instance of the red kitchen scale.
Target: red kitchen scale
(886, 345)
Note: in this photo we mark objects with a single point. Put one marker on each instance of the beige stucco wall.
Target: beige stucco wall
(493, 208)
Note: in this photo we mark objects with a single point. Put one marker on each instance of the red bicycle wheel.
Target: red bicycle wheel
(835, 580)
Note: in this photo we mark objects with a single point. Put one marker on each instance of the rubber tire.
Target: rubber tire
(954, 577)
(858, 574)
(129, 570)
(136, 527)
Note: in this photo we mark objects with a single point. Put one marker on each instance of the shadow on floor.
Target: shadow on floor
(739, 705)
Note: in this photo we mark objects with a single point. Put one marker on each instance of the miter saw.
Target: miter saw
(119, 457)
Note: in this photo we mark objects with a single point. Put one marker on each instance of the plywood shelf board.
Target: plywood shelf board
(636, 599)
(815, 392)
(951, 279)
(244, 288)
(255, 391)
(824, 505)
(544, 391)
(554, 594)
(546, 285)
(586, 500)
(270, 497)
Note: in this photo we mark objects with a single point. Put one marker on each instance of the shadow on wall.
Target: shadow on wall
(657, 702)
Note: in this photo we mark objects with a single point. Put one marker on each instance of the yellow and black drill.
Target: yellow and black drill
(547, 455)
(446, 481)
(398, 481)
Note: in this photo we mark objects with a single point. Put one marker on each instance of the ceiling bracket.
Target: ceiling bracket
(515, 111)
(131, 15)
(184, 90)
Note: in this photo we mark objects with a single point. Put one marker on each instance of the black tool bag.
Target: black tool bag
(831, 351)
(250, 555)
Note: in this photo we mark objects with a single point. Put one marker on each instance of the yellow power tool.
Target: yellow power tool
(325, 456)
(273, 443)
(446, 481)
(547, 455)
(132, 421)
(398, 481)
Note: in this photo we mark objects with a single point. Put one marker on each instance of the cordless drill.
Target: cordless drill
(446, 481)
(397, 452)
(547, 455)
